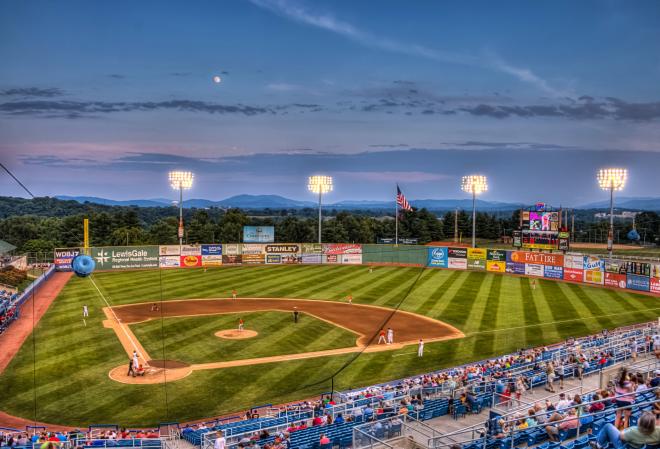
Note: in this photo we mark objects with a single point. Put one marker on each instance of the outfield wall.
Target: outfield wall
(575, 267)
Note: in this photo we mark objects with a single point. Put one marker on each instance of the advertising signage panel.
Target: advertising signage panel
(476, 264)
(457, 253)
(575, 261)
(211, 261)
(515, 268)
(552, 272)
(191, 250)
(457, 263)
(476, 253)
(496, 266)
(496, 254)
(169, 250)
(573, 274)
(125, 257)
(63, 257)
(342, 248)
(258, 234)
(437, 257)
(191, 261)
(615, 280)
(556, 260)
(212, 250)
(637, 282)
(169, 261)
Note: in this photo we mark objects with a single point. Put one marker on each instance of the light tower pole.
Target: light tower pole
(320, 184)
(612, 179)
(474, 184)
(180, 180)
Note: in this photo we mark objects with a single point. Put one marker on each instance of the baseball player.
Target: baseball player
(295, 314)
(390, 336)
(381, 337)
(349, 298)
(154, 307)
(233, 294)
(420, 348)
(533, 284)
(371, 269)
(85, 311)
(240, 324)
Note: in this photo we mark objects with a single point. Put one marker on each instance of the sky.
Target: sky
(104, 98)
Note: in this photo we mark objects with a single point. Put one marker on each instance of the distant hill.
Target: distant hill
(623, 202)
(280, 202)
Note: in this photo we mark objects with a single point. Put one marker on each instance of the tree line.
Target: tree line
(28, 225)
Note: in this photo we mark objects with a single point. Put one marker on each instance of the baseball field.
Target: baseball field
(62, 376)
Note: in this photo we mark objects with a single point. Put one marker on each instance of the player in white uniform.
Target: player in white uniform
(390, 336)
(85, 312)
(420, 348)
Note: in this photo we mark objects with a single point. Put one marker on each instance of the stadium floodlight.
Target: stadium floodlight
(612, 179)
(180, 180)
(474, 184)
(320, 184)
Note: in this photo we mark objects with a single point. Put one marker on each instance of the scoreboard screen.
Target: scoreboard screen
(541, 221)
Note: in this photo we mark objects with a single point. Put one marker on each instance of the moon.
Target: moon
(217, 79)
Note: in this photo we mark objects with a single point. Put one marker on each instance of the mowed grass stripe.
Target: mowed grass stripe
(461, 304)
(384, 284)
(585, 305)
(314, 281)
(490, 315)
(562, 308)
(398, 293)
(434, 298)
(530, 309)
(438, 309)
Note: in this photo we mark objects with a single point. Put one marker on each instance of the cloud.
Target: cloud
(82, 109)
(117, 76)
(292, 11)
(409, 176)
(181, 74)
(33, 92)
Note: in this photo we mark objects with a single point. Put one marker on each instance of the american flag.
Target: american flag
(401, 200)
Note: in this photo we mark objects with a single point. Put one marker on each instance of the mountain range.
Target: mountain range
(280, 202)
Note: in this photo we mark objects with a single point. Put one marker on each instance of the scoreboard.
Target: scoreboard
(540, 228)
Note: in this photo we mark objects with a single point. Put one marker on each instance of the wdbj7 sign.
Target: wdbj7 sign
(63, 258)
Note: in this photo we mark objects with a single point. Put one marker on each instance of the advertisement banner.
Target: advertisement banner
(593, 263)
(476, 264)
(258, 234)
(273, 258)
(211, 261)
(515, 268)
(655, 270)
(63, 257)
(457, 263)
(280, 248)
(594, 277)
(342, 248)
(253, 259)
(457, 253)
(552, 272)
(231, 259)
(312, 248)
(655, 285)
(437, 257)
(615, 266)
(556, 260)
(169, 250)
(476, 253)
(355, 259)
(496, 254)
(231, 249)
(575, 261)
(125, 257)
(573, 274)
(497, 266)
(637, 282)
(330, 258)
(169, 261)
(312, 253)
(312, 258)
(533, 269)
(191, 261)
(252, 248)
(191, 250)
(615, 279)
(212, 250)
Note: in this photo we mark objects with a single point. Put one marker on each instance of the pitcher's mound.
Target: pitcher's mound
(234, 334)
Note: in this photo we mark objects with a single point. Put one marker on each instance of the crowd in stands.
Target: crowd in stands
(77, 438)
(8, 308)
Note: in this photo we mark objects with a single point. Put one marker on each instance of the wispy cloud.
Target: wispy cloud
(48, 92)
(298, 13)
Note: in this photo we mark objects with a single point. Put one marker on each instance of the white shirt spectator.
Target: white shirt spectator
(220, 443)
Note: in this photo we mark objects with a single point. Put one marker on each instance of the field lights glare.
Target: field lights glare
(181, 179)
(475, 184)
(320, 184)
(612, 178)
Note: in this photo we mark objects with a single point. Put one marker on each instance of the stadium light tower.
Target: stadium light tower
(180, 180)
(474, 184)
(320, 185)
(612, 179)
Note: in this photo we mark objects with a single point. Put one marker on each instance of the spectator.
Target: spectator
(644, 433)
(625, 397)
(324, 440)
(565, 423)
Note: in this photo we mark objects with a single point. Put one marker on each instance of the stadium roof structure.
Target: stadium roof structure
(6, 248)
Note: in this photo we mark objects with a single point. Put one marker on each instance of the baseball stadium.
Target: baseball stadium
(322, 224)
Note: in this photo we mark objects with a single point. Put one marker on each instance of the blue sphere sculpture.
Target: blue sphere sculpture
(83, 265)
(633, 235)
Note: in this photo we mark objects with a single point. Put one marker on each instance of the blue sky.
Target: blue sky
(102, 98)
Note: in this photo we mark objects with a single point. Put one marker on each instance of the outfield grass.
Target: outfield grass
(497, 313)
(193, 340)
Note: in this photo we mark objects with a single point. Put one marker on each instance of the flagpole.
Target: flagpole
(396, 217)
